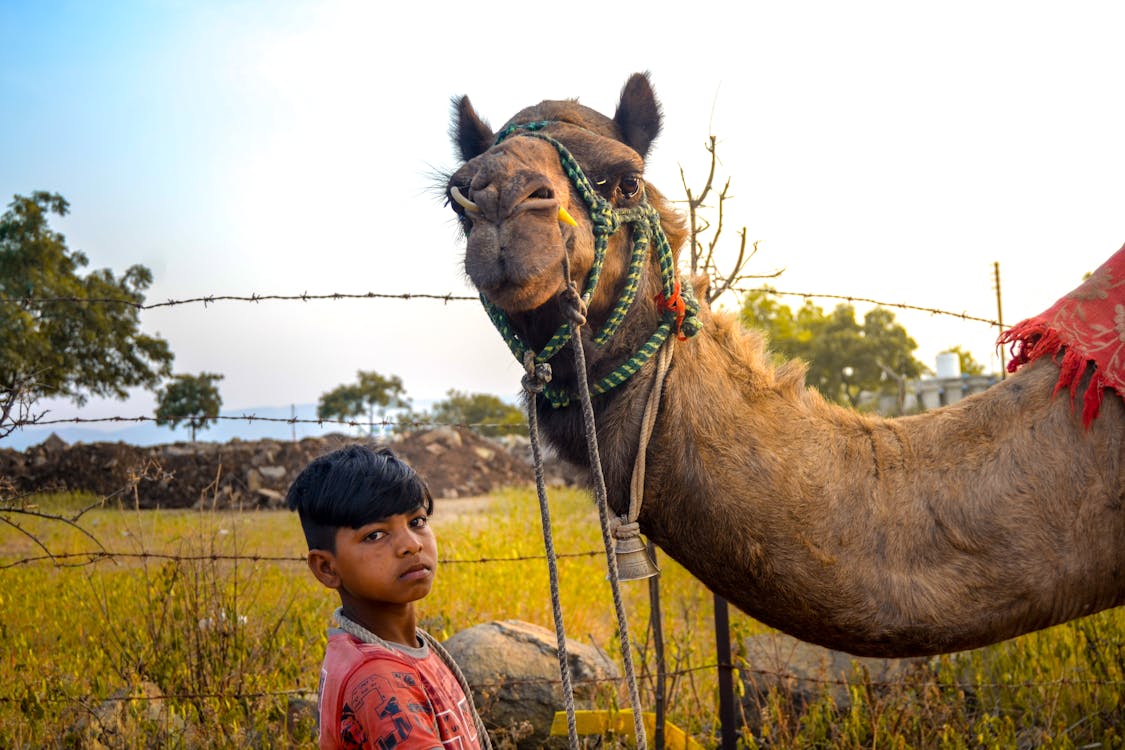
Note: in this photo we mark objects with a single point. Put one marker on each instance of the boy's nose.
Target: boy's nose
(411, 545)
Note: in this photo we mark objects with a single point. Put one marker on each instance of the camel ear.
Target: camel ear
(638, 114)
(470, 134)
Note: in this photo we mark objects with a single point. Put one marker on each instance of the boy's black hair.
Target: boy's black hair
(351, 487)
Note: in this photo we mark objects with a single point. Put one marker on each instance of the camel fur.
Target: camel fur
(957, 528)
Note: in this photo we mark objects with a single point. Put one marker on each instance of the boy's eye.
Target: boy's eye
(375, 535)
(420, 521)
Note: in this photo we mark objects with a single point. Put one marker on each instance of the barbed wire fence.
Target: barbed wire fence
(13, 505)
(24, 415)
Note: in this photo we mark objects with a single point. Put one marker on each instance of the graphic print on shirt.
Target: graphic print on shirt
(381, 692)
(455, 722)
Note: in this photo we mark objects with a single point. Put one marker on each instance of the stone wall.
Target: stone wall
(455, 462)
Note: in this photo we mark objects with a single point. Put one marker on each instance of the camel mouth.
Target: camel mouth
(518, 293)
(517, 263)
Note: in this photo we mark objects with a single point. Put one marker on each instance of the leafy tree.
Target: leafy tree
(68, 347)
(370, 393)
(190, 399)
(844, 357)
(497, 417)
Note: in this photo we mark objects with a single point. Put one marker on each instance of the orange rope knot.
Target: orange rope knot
(676, 305)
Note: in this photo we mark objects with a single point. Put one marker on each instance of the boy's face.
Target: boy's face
(391, 561)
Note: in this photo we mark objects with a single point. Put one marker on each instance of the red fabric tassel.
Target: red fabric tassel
(1085, 327)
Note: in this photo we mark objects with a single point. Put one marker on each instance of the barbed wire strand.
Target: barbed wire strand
(444, 298)
(780, 676)
(62, 560)
(213, 298)
(319, 421)
(853, 298)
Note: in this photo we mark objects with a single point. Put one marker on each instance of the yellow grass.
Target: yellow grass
(216, 612)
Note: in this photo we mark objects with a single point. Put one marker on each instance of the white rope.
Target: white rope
(603, 515)
(534, 381)
(628, 526)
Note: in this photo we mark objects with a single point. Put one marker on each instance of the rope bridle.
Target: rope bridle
(677, 300)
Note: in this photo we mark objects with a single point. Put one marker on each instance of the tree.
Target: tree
(370, 393)
(495, 417)
(58, 335)
(845, 358)
(190, 399)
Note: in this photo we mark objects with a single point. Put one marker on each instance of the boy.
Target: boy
(385, 683)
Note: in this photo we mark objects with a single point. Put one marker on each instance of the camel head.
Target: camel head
(528, 222)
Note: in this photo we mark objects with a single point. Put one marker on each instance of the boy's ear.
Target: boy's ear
(323, 565)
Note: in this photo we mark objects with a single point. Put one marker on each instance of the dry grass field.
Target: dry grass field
(202, 629)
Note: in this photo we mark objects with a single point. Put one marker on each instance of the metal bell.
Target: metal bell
(633, 560)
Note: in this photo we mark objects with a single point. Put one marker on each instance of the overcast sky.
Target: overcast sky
(891, 151)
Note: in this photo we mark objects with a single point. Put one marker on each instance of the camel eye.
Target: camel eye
(629, 186)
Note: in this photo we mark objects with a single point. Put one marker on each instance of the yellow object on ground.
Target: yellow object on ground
(621, 722)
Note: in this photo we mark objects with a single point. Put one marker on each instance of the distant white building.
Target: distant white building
(948, 386)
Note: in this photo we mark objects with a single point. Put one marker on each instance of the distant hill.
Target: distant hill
(232, 426)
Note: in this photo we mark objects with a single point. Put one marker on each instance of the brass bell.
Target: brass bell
(633, 560)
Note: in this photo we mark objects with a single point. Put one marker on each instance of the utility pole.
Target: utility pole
(999, 316)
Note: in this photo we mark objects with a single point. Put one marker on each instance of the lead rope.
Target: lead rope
(355, 629)
(627, 526)
(534, 382)
(578, 317)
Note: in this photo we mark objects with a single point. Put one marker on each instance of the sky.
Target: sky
(880, 150)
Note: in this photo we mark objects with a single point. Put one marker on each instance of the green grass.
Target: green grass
(218, 612)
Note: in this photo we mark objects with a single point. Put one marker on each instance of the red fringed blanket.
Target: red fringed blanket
(1087, 325)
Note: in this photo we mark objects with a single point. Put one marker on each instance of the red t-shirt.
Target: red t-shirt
(384, 696)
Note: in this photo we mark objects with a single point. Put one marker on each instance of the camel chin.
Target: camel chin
(517, 271)
(523, 298)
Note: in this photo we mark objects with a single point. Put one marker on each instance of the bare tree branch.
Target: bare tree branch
(704, 252)
(16, 405)
(17, 505)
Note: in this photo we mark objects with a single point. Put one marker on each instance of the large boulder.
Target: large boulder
(513, 668)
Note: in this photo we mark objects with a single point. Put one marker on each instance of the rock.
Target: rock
(301, 717)
(275, 473)
(253, 479)
(804, 672)
(270, 498)
(53, 444)
(178, 450)
(448, 435)
(513, 668)
(123, 715)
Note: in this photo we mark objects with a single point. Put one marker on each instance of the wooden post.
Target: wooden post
(726, 674)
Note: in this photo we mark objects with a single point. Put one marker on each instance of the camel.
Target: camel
(910, 536)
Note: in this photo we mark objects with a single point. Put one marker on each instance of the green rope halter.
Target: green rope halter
(606, 220)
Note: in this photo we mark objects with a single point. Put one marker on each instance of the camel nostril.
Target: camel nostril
(543, 193)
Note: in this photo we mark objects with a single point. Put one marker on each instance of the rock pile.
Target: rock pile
(455, 462)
